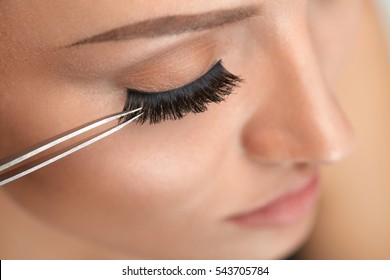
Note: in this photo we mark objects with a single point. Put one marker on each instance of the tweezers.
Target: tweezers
(18, 172)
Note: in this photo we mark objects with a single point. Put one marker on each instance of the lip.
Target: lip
(286, 209)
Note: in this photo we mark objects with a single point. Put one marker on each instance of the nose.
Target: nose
(299, 119)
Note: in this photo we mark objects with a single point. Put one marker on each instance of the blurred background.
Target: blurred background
(353, 218)
(384, 9)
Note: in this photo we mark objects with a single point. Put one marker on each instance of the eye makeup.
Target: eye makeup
(212, 87)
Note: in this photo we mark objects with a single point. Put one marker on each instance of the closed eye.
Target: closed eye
(212, 87)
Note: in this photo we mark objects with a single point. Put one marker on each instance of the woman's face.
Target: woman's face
(237, 181)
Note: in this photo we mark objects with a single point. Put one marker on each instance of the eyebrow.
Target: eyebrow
(172, 25)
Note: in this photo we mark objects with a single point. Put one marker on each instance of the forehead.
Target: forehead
(64, 21)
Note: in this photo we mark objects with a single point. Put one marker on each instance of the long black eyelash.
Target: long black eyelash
(214, 86)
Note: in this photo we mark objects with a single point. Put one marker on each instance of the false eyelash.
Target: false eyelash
(213, 86)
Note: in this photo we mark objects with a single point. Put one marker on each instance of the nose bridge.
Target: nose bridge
(303, 119)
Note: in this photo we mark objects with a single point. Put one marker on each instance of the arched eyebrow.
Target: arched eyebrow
(172, 25)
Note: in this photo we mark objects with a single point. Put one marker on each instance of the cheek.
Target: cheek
(334, 26)
(136, 179)
(37, 107)
(169, 165)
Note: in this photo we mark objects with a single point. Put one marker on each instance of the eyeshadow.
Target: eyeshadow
(194, 97)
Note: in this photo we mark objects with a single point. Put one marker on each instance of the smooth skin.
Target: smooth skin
(167, 191)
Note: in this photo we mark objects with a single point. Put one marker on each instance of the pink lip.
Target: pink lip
(285, 210)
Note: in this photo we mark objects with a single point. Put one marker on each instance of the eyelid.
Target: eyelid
(194, 97)
(172, 67)
(182, 87)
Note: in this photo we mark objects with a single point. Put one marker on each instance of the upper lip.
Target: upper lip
(291, 189)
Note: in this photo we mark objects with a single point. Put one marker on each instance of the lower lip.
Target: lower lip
(286, 210)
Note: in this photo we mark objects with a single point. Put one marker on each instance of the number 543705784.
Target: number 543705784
(241, 270)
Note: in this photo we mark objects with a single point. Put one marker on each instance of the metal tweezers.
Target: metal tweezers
(27, 168)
